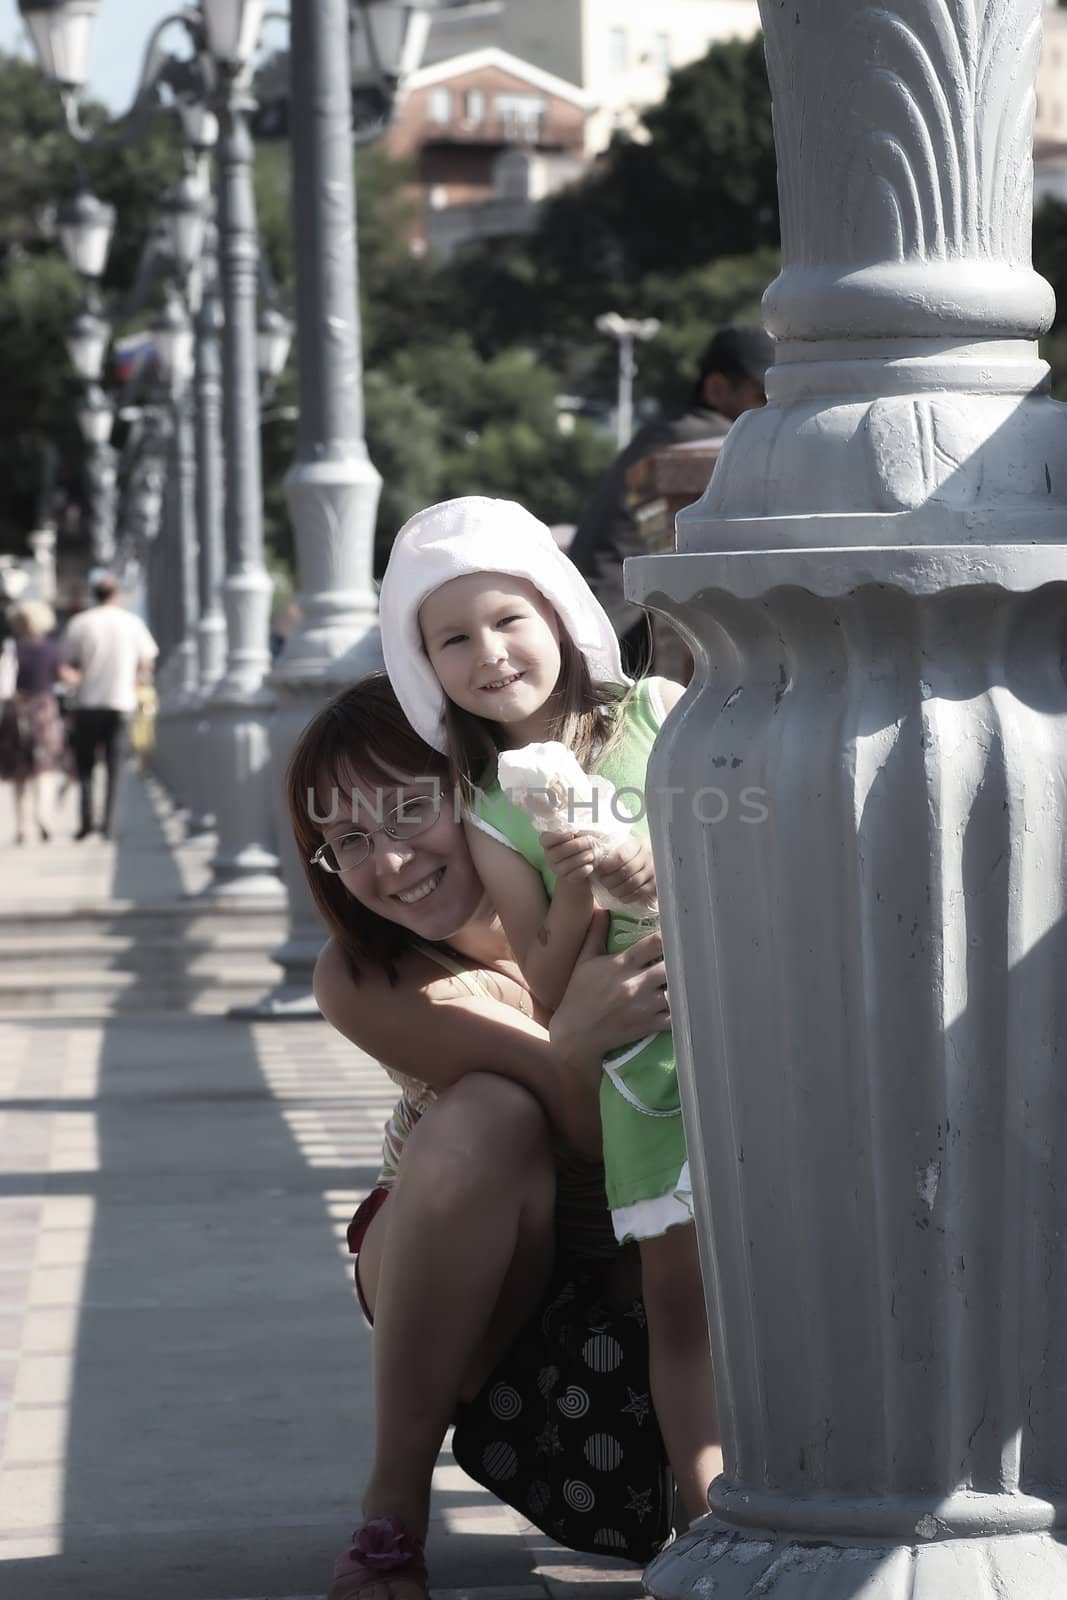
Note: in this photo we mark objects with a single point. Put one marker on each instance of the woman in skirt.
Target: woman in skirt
(31, 728)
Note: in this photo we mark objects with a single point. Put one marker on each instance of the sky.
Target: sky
(122, 31)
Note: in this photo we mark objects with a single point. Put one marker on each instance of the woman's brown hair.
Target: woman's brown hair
(362, 731)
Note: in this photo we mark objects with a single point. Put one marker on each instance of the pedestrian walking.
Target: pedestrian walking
(31, 728)
(112, 652)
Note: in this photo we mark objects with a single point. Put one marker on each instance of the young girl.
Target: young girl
(493, 641)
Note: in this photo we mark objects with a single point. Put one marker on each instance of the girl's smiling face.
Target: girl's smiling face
(493, 642)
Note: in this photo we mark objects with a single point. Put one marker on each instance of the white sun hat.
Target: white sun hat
(478, 534)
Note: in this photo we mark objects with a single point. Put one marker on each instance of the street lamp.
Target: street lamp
(62, 32)
(626, 330)
(232, 28)
(245, 862)
(200, 125)
(274, 338)
(96, 417)
(332, 489)
(86, 226)
(173, 334)
(87, 340)
(184, 218)
(388, 40)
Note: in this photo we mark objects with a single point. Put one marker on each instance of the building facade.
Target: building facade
(1050, 124)
(620, 52)
(490, 137)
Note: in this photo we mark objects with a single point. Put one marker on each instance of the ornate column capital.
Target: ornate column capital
(904, 133)
(907, 382)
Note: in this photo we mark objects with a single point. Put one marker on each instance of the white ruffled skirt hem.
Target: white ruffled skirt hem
(647, 1219)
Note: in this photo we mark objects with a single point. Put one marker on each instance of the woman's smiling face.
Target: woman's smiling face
(424, 882)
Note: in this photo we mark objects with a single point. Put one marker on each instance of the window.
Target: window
(474, 105)
(661, 51)
(618, 49)
(440, 105)
(524, 112)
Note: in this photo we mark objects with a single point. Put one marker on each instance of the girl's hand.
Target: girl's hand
(628, 872)
(610, 1000)
(571, 857)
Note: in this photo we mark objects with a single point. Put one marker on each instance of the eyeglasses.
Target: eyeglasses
(410, 818)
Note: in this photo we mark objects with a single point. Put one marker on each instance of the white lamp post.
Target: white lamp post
(332, 488)
(86, 226)
(184, 211)
(388, 41)
(173, 334)
(625, 330)
(232, 28)
(96, 416)
(863, 872)
(87, 340)
(62, 32)
(274, 338)
(245, 862)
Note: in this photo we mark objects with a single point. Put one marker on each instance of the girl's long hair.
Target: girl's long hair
(585, 716)
(363, 733)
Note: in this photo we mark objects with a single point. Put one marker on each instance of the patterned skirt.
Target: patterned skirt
(31, 735)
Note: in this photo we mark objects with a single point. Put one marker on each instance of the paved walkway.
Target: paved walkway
(184, 1377)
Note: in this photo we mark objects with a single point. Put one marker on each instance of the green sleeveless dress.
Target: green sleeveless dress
(640, 1113)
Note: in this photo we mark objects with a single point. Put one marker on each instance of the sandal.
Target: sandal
(383, 1556)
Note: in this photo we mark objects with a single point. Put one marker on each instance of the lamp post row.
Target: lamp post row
(253, 715)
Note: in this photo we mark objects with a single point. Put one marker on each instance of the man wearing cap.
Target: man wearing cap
(730, 381)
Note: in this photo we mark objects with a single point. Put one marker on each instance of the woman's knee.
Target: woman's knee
(485, 1134)
(500, 1117)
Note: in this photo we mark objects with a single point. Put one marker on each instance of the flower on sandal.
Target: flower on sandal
(383, 1544)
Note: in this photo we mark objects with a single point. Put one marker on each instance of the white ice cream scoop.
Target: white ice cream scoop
(548, 784)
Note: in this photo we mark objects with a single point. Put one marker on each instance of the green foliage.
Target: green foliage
(708, 163)
(444, 421)
(404, 442)
(443, 417)
(1050, 259)
(39, 166)
(690, 308)
(697, 184)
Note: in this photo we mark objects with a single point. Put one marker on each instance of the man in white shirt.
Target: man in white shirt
(111, 652)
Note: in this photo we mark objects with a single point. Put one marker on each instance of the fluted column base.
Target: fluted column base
(857, 814)
(299, 693)
(714, 1561)
(246, 862)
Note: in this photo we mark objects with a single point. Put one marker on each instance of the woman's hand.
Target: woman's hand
(610, 1000)
(628, 872)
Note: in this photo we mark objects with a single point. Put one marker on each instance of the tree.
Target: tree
(697, 183)
(39, 165)
(444, 421)
(1050, 259)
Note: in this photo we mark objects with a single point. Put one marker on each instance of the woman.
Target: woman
(461, 1234)
(31, 733)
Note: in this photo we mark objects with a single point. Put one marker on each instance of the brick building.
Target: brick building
(490, 137)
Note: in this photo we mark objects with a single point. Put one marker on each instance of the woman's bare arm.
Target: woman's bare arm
(429, 1026)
